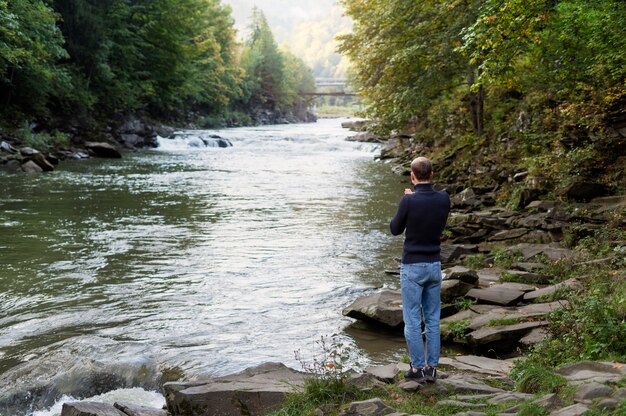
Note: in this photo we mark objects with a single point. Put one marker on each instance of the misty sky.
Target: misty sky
(281, 14)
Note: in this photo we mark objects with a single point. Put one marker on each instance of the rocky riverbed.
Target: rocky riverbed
(500, 285)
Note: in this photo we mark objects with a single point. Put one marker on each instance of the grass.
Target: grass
(506, 321)
(475, 261)
(503, 257)
(533, 378)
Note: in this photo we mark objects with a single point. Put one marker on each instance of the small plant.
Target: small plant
(458, 330)
(475, 261)
(529, 408)
(533, 377)
(463, 304)
(502, 257)
(511, 277)
(506, 321)
(330, 363)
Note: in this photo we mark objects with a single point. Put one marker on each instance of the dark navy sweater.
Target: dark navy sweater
(423, 214)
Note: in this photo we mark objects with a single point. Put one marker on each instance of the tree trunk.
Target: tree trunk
(476, 101)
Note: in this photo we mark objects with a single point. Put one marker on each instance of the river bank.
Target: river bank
(34, 150)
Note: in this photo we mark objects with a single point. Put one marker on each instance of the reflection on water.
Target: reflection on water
(206, 259)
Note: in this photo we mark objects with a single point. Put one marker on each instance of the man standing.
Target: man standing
(423, 214)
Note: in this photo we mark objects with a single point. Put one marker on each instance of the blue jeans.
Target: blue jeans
(421, 286)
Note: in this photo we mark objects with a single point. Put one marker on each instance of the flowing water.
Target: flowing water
(189, 260)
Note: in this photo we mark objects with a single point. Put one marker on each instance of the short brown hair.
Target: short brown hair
(422, 168)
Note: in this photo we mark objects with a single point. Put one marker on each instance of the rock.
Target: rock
(509, 396)
(90, 409)
(372, 407)
(410, 385)
(607, 404)
(452, 289)
(365, 137)
(592, 371)
(542, 205)
(527, 277)
(472, 413)
(583, 191)
(509, 333)
(460, 273)
(573, 410)
(355, 125)
(253, 392)
(381, 308)
(164, 131)
(529, 251)
(488, 277)
(463, 383)
(42, 162)
(386, 373)
(134, 410)
(508, 234)
(534, 337)
(80, 155)
(588, 392)
(549, 402)
(452, 252)
(31, 167)
(104, 150)
(28, 151)
(521, 313)
(478, 364)
(528, 266)
(496, 295)
(216, 141)
(130, 140)
(550, 290)
(465, 199)
(394, 148)
(6, 147)
(461, 404)
(12, 165)
(620, 393)
(365, 381)
(522, 287)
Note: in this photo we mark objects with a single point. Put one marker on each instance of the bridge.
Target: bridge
(334, 83)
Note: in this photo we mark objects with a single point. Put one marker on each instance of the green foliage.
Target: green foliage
(475, 261)
(531, 377)
(505, 258)
(506, 321)
(463, 304)
(459, 329)
(528, 408)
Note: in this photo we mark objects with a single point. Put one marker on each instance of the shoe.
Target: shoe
(416, 374)
(430, 374)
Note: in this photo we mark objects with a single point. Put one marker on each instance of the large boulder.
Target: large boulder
(101, 149)
(31, 167)
(90, 409)
(372, 407)
(254, 392)
(381, 308)
(134, 410)
(584, 191)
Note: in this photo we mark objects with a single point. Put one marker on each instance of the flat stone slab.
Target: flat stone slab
(386, 373)
(590, 371)
(551, 251)
(508, 397)
(516, 312)
(253, 392)
(529, 278)
(590, 391)
(383, 308)
(134, 410)
(534, 337)
(487, 335)
(488, 277)
(496, 295)
(372, 407)
(463, 383)
(478, 364)
(522, 287)
(460, 273)
(577, 409)
(453, 288)
(550, 290)
(90, 409)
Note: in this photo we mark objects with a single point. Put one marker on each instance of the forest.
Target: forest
(534, 82)
(76, 64)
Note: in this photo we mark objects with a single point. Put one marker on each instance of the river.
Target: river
(190, 260)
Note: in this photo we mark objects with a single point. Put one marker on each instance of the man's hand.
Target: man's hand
(407, 191)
